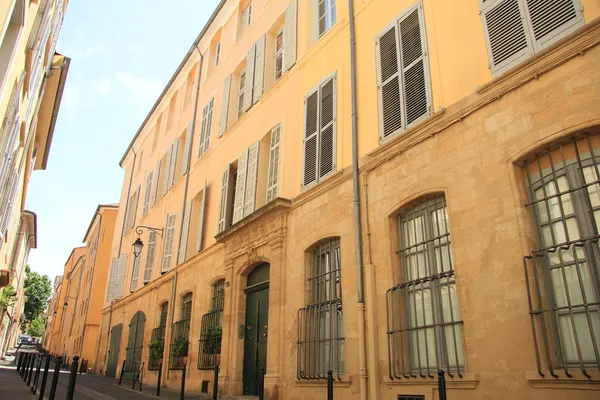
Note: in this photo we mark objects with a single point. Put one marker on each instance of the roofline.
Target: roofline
(58, 99)
(34, 218)
(95, 215)
(177, 71)
(71, 254)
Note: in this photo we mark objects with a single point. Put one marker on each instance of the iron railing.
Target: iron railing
(157, 333)
(209, 349)
(179, 344)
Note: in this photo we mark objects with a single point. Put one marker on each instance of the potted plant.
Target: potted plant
(212, 342)
(179, 348)
(156, 348)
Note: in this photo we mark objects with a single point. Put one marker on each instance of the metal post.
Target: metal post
(30, 372)
(44, 377)
(158, 381)
(72, 378)
(122, 370)
(442, 384)
(19, 361)
(37, 374)
(330, 385)
(216, 384)
(181, 396)
(57, 364)
(24, 365)
(261, 383)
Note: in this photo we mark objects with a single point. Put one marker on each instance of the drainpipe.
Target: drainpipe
(75, 306)
(185, 190)
(89, 295)
(362, 365)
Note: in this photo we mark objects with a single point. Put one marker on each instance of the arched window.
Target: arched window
(424, 327)
(186, 307)
(562, 272)
(157, 339)
(211, 331)
(320, 323)
(181, 334)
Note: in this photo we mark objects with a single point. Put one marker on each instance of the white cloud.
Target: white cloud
(102, 87)
(132, 48)
(68, 104)
(143, 91)
(96, 49)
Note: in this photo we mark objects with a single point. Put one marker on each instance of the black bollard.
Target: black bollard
(44, 377)
(181, 396)
(261, 383)
(330, 385)
(57, 364)
(158, 381)
(122, 371)
(442, 384)
(24, 364)
(37, 374)
(19, 361)
(31, 366)
(72, 378)
(27, 363)
(216, 383)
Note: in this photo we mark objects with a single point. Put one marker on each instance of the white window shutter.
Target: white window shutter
(167, 177)
(182, 255)
(251, 178)
(148, 193)
(225, 106)
(134, 205)
(259, 68)
(222, 221)
(506, 34)
(173, 166)
(150, 253)
(550, 20)
(273, 176)
(199, 242)
(120, 278)
(169, 241)
(311, 129)
(204, 141)
(290, 35)
(240, 187)
(112, 280)
(327, 119)
(126, 216)
(248, 89)
(135, 273)
(186, 150)
(155, 189)
(415, 68)
(388, 85)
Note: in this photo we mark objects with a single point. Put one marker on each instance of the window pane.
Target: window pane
(572, 285)
(584, 336)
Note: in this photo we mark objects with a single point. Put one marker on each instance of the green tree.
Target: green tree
(37, 327)
(37, 292)
(7, 299)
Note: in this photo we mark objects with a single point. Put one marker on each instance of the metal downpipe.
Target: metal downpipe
(362, 351)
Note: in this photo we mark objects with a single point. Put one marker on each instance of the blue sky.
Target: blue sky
(123, 52)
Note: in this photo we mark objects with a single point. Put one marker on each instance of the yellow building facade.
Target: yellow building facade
(463, 238)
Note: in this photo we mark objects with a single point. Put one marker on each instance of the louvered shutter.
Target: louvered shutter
(209, 117)
(415, 66)
(8, 200)
(126, 217)
(273, 176)
(134, 205)
(173, 167)
(225, 106)
(290, 35)
(199, 241)
(155, 189)
(327, 114)
(135, 273)
(169, 241)
(259, 68)
(9, 132)
(182, 255)
(148, 193)
(120, 278)
(167, 177)
(311, 127)
(222, 221)
(388, 74)
(506, 35)
(150, 253)
(112, 280)
(251, 179)
(550, 20)
(42, 15)
(249, 87)
(240, 187)
(186, 150)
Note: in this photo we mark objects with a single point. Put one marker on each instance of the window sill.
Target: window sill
(469, 380)
(345, 382)
(577, 382)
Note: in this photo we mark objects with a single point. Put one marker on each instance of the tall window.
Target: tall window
(135, 273)
(157, 339)
(217, 53)
(186, 307)
(181, 334)
(562, 274)
(278, 55)
(424, 326)
(246, 17)
(320, 323)
(515, 29)
(327, 14)
(207, 114)
(241, 90)
(211, 331)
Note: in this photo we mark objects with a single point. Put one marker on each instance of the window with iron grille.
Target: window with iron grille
(211, 331)
(158, 334)
(562, 274)
(423, 322)
(181, 334)
(320, 323)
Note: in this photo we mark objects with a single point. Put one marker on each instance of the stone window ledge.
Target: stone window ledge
(578, 381)
(345, 382)
(469, 380)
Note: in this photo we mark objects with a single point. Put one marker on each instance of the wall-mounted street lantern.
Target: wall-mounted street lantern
(138, 245)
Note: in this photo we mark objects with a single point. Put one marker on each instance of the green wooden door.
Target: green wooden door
(113, 350)
(134, 345)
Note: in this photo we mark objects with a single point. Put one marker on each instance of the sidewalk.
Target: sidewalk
(12, 386)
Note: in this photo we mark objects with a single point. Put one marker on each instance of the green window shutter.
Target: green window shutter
(251, 179)
(199, 241)
(150, 253)
(273, 175)
(225, 106)
(182, 255)
(240, 187)
(311, 128)
(259, 68)
(290, 35)
(222, 221)
(327, 120)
